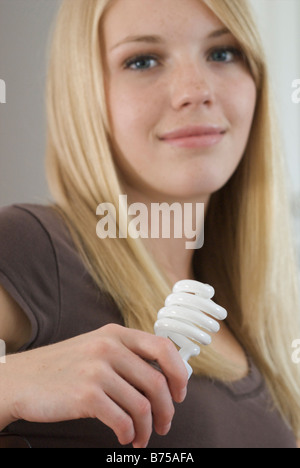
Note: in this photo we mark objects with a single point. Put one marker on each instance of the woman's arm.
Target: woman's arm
(101, 375)
(14, 325)
(14, 331)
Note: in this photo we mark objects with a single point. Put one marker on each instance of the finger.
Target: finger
(136, 405)
(113, 416)
(173, 368)
(152, 384)
(160, 349)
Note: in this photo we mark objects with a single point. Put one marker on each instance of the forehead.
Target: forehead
(163, 17)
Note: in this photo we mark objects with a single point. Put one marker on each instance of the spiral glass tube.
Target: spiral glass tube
(188, 311)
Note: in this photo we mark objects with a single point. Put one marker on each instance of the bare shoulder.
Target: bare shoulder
(14, 324)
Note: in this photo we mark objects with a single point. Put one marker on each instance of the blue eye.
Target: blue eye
(141, 63)
(225, 55)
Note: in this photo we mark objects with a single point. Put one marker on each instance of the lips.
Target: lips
(194, 136)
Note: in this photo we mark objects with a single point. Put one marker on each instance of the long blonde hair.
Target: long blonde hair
(251, 264)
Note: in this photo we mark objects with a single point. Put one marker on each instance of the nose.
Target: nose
(191, 86)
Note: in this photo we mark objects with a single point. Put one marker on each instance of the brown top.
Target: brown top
(42, 271)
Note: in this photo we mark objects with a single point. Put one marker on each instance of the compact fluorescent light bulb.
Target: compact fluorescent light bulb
(186, 309)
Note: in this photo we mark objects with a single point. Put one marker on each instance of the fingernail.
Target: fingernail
(182, 395)
(165, 429)
(137, 445)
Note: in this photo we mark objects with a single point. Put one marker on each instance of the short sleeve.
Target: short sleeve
(29, 271)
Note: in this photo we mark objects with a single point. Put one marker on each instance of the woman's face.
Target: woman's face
(180, 97)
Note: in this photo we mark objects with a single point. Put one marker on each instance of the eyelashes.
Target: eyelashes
(141, 62)
(225, 55)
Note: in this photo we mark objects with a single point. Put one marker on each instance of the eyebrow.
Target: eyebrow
(152, 39)
(218, 33)
(148, 39)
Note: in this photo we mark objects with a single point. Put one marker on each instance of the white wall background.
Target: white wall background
(279, 22)
(24, 27)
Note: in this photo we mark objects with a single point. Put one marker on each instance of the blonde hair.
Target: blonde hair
(251, 264)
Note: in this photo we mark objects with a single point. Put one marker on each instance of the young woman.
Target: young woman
(164, 101)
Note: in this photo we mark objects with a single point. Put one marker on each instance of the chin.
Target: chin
(199, 188)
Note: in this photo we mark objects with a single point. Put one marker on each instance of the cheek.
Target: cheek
(240, 105)
(132, 112)
(133, 116)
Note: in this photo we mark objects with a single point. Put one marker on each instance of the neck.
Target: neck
(172, 230)
(176, 267)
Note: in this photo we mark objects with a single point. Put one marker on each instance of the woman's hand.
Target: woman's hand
(101, 375)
